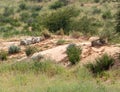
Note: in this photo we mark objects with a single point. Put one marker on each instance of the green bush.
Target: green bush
(3, 55)
(8, 11)
(23, 6)
(60, 19)
(107, 15)
(73, 53)
(34, 14)
(36, 8)
(84, 25)
(96, 1)
(60, 42)
(30, 50)
(101, 64)
(117, 27)
(25, 16)
(46, 33)
(96, 10)
(106, 34)
(75, 34)
(56, 5)
(13, 49)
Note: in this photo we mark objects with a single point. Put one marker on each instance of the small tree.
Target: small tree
(60, 19)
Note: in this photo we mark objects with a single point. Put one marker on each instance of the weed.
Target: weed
(101, 64)
(13, 49)
(60, 42)
(30, 50)
(74, 53)
(3, 55)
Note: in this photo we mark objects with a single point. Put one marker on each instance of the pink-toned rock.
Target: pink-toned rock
(93, 38)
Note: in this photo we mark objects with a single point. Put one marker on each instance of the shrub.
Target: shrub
(60, 19)
(46, 33)
(96, 1)
(13, 49)
(73, 53)
(3, 55)
(25, 16)
(57, 4)
(101, 64)
(34, 14)
(60, 32)
(64, 1)
(8, 11)
(96, 10)
(36, 8)
(117, 27)
(84, 25)
(30, 50)
(23, 6)
(106, 34)
(60, 42)
(106, 15)
(75, 34)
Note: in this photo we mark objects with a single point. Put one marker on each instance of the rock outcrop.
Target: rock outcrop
(31, 40)
(97, 41)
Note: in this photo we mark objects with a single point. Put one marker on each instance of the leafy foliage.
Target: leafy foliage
(13, 49)
(8, 11)
(30, 50)
(60, 19)
(107, 15)
(117, 28)
(101, 64)
(74, 53)
(85, 25)
(60, 42)
(56, 5)
(3, 55)
(23, 6)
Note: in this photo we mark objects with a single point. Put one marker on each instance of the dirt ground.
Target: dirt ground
(50, 49)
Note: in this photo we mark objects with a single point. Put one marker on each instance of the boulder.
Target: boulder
(97, 41)
(26, 41)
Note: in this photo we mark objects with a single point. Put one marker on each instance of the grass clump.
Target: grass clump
(117, 27)
(107, 15)
(30, 50)
(3, 55)
(46, 33)
(13, 49)
(73, 53)
(56, 5)
(60, 42)
(23, 6)
(75, 34)
(46, 66)
(60, 19)
(101, 64)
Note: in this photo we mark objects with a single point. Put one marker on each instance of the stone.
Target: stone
(97, 41)
(31, 40)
